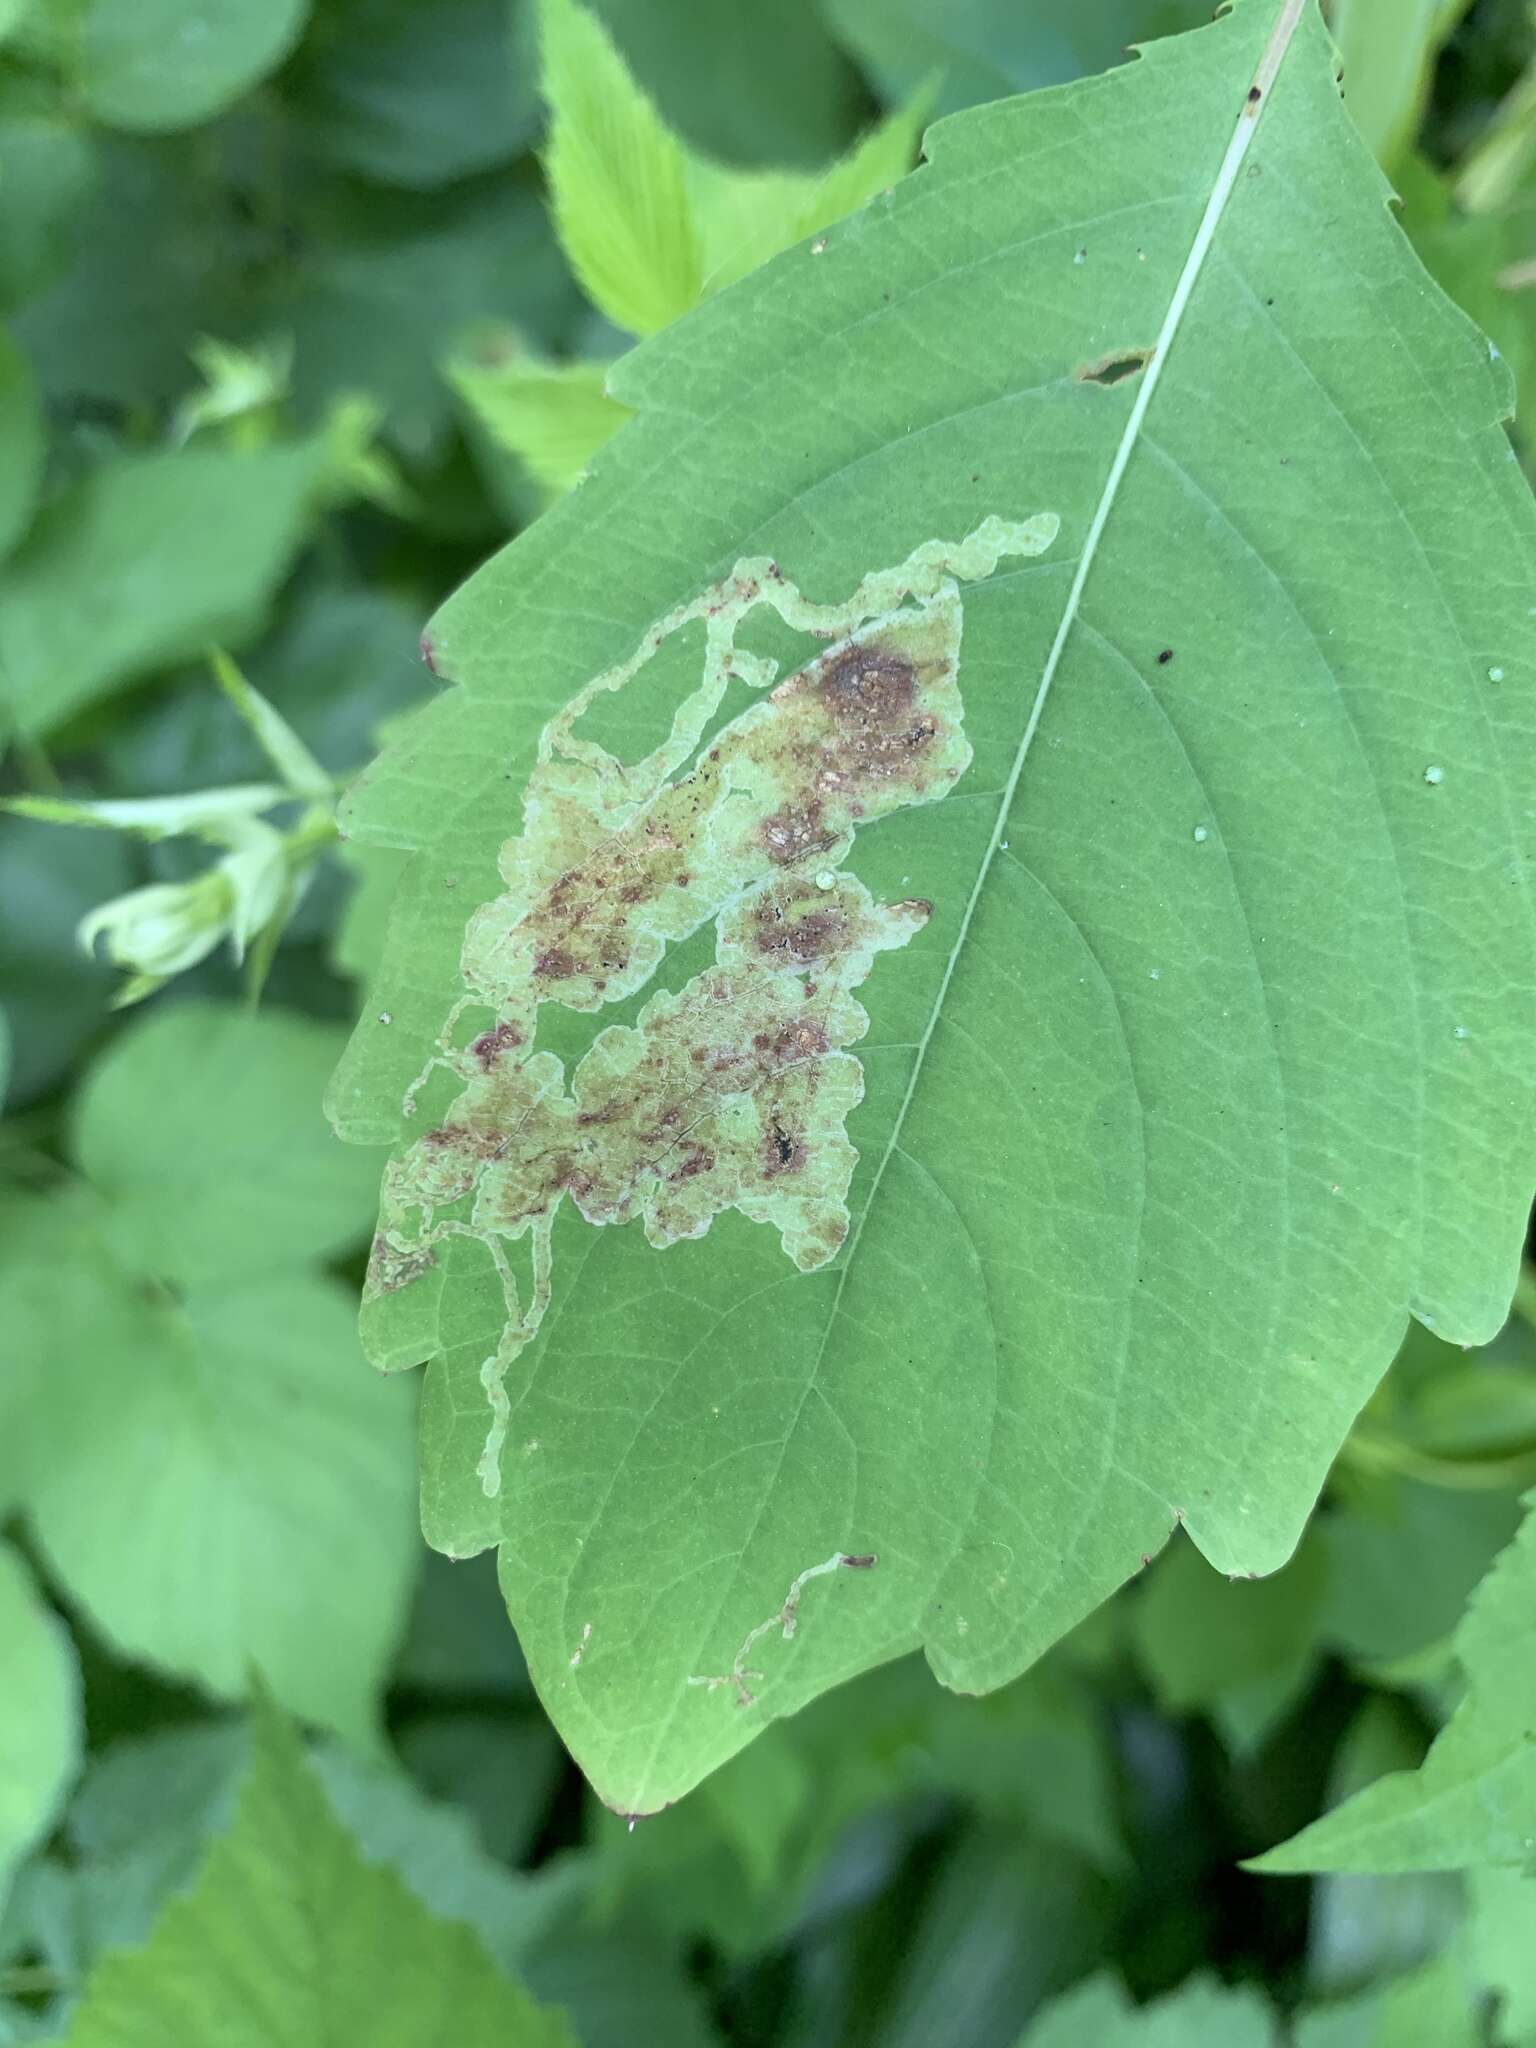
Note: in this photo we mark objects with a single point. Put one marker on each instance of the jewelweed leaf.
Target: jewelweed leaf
(290, 1935)
(1166, 1043)
(1472, 1802)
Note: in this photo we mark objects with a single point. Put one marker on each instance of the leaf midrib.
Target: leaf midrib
(1249, 118)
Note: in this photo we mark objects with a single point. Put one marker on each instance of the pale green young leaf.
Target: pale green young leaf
(274, 1190)
(617, 177)
(1472, 1802)
(290, 1938)
(23, 443)
(214, 1479)
(40, 1735)
(166, 64)
(144, 562)
(1200, 2014)
(210, 814)
(552, 416)
(1163, 1134)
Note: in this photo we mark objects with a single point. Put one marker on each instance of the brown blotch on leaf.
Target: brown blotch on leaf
(555, 965)
(699, 1160)
(490, 1045)
(797, 830)
(1114, 368)
(868, 684)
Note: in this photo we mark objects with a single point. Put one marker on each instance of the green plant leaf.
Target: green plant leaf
(166, 64)
(744, 217)
(276, 1191)
(553, 416)
(617, 177)
(746, 84)
(1472, 1802)
(1387, 51)
(1434, 2004)
(48, 171)
(1163, 1135)
(213, 1479)
(23, 443)
(1501, 1915)
(414, 96)
(1238, 1650)
(39, 1714)
(291, 1938)
(985, 49)
(1198, 2015)
(145, 562)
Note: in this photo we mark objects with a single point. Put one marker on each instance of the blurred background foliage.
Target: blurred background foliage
(303, 316)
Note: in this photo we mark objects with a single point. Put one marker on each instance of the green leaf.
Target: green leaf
(143, 563)
(215, 1480)
(744, 217)
(1163, 1133)
(274, 1190)
(167, 64)
(1500, 1920)
(290, 1937)
(301, 772)
(131, 223)
(39, 1714)
(47, 172)
(391, 282)
(1238, 1650)
(1434, 2004)
(56, 998)
(1473, 1800)
(747, 84)
(414, 96)
(1402, 1560)
(553, 416)
(1387, 51)
(1365, 1928)
(1198, 2015)
(985, 49)
(23, 443)
(617, 178)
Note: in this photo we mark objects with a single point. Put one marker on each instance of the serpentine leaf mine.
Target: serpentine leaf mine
(732, 1092)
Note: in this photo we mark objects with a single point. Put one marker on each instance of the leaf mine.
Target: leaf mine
(732, 1092)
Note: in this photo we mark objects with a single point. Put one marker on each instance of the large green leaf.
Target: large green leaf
(1472, 1802)
(291, 1938)
(1212, 1062)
